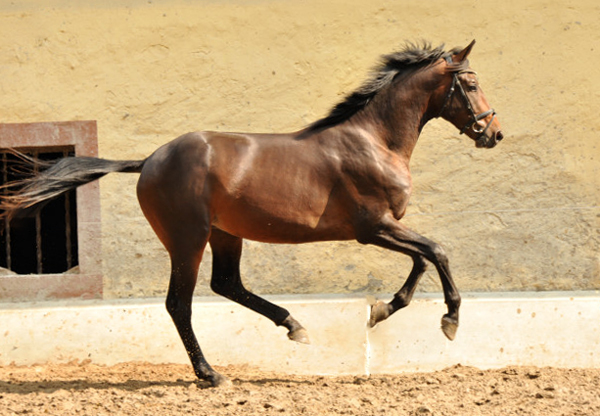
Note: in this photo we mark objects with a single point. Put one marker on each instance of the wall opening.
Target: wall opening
(54, 253)
(44, 242)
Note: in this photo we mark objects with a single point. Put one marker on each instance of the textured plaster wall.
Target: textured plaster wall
(523, 216)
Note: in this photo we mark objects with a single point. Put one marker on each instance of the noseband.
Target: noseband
(472, 123)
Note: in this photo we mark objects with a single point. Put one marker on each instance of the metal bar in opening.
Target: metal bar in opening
(6, 222)
(68, 225)
(38, 241)
(38, 232)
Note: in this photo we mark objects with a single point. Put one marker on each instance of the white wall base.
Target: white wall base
(541, 329)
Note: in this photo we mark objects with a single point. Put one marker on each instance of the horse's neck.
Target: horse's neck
(397, 116)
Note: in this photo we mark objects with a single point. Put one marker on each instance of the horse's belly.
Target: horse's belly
(286, 223)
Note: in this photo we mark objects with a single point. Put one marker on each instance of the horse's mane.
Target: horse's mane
(411, 58)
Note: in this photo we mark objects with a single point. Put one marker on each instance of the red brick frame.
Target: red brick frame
(87, 284)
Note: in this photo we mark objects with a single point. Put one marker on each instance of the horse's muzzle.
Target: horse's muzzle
(489, 142)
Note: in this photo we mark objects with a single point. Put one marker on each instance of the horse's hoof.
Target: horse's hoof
(220, 381)
(379, 312)
(299, 335)
(449, 327)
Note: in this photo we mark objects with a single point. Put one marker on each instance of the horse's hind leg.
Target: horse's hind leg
(226, 281)
(184, 235)
(184, 272)
(402, 298)
(174, 194)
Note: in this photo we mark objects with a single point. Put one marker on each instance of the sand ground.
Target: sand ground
(144, 389)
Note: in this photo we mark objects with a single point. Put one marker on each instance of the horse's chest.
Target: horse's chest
(384, 183)
(398, 193)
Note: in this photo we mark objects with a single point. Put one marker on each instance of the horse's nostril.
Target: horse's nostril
(499, 136)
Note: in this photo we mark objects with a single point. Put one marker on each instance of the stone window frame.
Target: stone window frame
(82, 136)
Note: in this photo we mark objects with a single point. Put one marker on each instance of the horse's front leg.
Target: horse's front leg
(381, 311)
(391, 234)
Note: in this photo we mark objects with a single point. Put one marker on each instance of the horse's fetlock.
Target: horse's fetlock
(456, 300)
(402, 299)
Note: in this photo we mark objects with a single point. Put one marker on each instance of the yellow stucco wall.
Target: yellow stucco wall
(524, 216)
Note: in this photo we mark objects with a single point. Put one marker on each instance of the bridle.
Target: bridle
(472, 123)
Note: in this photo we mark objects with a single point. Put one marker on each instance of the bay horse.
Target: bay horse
(344, 177)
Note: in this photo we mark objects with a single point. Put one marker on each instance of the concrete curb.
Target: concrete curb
(541, 329)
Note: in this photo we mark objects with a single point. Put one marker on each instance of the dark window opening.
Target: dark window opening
(46, 241)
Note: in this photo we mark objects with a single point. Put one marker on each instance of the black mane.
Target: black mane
(412, 57)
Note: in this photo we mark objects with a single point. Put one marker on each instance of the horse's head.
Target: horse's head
(464, 103)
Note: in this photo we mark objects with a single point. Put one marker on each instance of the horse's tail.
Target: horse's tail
(53, 178)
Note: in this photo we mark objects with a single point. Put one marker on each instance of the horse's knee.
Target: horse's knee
(439, 254)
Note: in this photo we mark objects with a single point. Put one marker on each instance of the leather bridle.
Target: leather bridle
(473, 122)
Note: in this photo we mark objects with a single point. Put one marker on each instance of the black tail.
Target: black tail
(21, 197)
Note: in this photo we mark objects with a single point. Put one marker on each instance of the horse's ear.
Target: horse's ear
(462, 55)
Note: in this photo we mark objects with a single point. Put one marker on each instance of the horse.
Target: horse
(344, 177)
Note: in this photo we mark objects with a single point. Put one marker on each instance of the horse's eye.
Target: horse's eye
(472, 88)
